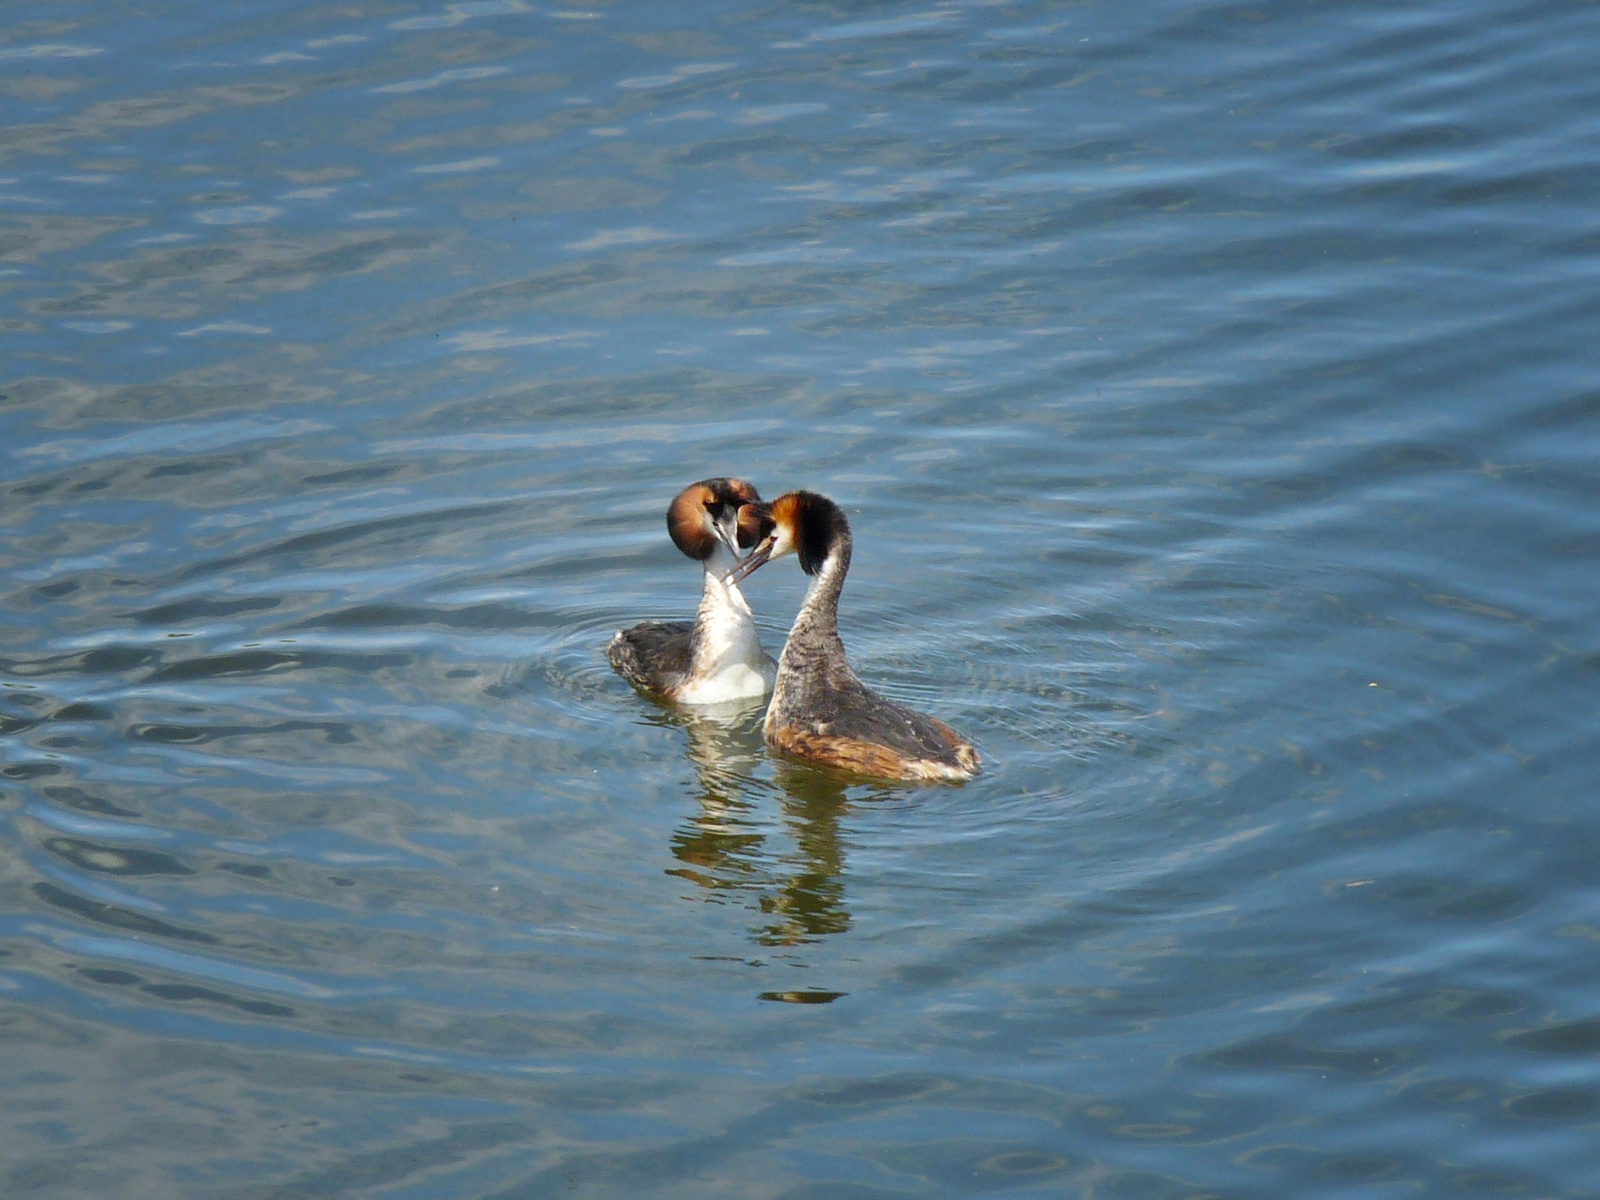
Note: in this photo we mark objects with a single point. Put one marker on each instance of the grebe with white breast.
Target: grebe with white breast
(820, 710)
(718, 656)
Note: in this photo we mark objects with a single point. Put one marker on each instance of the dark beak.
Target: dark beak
(726, 531)
(753, 562)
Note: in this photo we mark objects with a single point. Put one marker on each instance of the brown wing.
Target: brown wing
(851, 709)
(873, 759)
(846, 754)
(652, 655)
(851, 727)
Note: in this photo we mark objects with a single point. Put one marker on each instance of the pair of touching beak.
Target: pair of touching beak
(761, 534)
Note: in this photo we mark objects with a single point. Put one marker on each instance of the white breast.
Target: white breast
(729, 663)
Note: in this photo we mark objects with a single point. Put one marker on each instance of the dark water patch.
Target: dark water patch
(114, 860)
(1448, 1094)
(357, 255)
(115, 660)
(552, 284)
(388, 617)
(155, 285)
(721, 150)
(248, 870)
(11, 725)
(1414, 1005)
(1148, 1185)
(82, 710)
(45, 595)
(182, 993)
(331, 733)
(1341, 1168)
(1495, 1183)
(109, 977)
(28, 491)
(85, 801)
(261, 662)
(371, 473)
(391, 533)
(1277, 1054)
(1579, 1039)
(200, 607)
(211, 465)
(1564, 1104)
(31, 770)
(174, 399)
(871, 1092)
(102, 913)
(60, 741)
(1581, 408)
(414, 1160)
(1015, 1164)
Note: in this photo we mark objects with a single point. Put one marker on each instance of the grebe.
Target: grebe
(718, 657)
(820, 710)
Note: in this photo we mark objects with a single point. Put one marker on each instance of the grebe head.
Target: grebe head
(706, 514)
(802, 523)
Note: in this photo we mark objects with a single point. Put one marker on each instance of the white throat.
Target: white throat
(728, 660)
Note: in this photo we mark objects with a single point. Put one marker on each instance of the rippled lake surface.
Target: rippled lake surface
(1212, 389)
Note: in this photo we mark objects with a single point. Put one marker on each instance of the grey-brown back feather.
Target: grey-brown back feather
(653, 655)
(835, 703)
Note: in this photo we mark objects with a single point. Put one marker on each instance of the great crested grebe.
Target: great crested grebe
(718, 657)
(820, 710)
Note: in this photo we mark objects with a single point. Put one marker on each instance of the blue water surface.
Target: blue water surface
(1212, 390)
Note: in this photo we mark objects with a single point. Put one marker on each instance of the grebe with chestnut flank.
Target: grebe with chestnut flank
(717, 657)
(820, 710)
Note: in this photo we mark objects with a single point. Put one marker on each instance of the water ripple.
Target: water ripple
(1210, 395)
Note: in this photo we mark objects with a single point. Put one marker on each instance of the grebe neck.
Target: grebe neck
(724, 628)
(818, 619)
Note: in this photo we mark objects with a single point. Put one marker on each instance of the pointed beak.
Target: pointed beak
(726, 531)
(756, 558)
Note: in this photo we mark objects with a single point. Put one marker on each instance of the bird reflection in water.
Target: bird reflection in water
(723, 848)
(809, 904)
